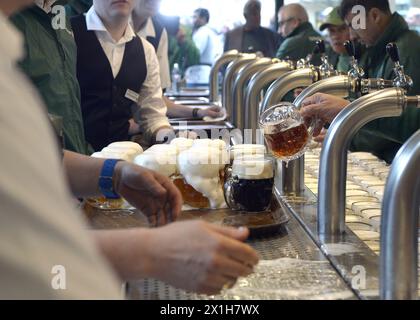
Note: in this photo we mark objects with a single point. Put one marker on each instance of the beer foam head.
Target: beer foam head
(163, 149)
(209, 143)
(182, 143)
(126, 145)
(241, 150)
(130, 152)
(201, 168)
(111, 155)
(253, 168)
(162, 163)
(201, 161)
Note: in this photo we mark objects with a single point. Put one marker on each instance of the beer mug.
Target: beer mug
(250, 184)
(285, 132)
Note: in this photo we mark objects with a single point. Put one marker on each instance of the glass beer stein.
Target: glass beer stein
(250, 184)
(285, 132)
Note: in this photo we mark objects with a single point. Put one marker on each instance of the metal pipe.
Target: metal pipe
(242, 78)
(227, 57)
(399, 225)
(253, 96)
(289, 81)
(333, 161)
(230, 76)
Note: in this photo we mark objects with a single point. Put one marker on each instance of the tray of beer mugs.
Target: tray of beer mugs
(231, 185)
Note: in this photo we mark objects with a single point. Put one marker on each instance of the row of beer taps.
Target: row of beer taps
(253, 83)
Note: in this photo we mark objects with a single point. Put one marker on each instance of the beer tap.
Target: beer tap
(355, 72)
(399, 225)
(227, 57)
(258, 82)
(402, 80)
(230, 76)
(390, 102)
(326, 69)
(238, 92)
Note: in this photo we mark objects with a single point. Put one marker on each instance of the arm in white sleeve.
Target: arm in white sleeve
(201, 39)
(162, 54)
(151, 112)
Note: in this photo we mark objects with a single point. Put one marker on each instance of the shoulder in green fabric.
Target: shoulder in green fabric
(50, 63)
(299, 43)
(385, 136)
(76, 7)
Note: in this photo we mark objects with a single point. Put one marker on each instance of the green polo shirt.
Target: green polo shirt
(299, 43)
(384, 137)
(50, 63)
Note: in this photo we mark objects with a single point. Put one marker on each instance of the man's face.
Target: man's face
(253, 19)
(337, 35)
(197, 20)
(286, 24)
(148, 7)
(367, 36)
(114, 8)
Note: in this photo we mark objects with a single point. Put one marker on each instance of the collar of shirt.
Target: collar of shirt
(11, 42)
(45, 5)
(94, 23)
(148, 30)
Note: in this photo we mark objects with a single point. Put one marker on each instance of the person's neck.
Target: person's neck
(116, 27)
(139, 21)
(250, 27)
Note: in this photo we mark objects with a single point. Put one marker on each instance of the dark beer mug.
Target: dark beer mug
(250, 185)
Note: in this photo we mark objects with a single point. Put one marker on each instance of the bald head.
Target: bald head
(252, 14)
(290, 17)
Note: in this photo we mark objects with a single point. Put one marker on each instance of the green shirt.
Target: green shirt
(76, 7)
(299, 43)
(50, 63)
(384, 137)
(185, 55)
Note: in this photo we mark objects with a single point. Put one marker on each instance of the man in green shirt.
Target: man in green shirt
(300, 36)
(76, 7)
(382, 137)
(50, 63)
(338, 33)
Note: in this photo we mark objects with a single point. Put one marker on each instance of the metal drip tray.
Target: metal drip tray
(291, 267)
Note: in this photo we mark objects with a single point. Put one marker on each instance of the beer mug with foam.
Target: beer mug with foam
(285, 132)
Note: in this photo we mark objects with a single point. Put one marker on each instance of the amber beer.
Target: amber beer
(286, 141)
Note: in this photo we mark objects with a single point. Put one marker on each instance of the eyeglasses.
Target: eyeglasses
(282, 23)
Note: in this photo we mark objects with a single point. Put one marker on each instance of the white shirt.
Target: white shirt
(40, 227)
(162, 52)
(151, 113)
(207, 43)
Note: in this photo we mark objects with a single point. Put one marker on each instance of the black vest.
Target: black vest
(158, 33)
(105, 108)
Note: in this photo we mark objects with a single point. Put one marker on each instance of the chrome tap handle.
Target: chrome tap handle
(356, 72)
(393, 52)
(349, 48)
(401, 80)
(320, 47)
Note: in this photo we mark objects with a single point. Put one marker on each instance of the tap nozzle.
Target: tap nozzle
(355, 72)
(326, 69)
(401, 80)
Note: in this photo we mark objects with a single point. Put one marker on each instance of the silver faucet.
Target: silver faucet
(227, 57)
(239, 86)
(389, 102)
(257, 83)
(399, 224)
(230, 76)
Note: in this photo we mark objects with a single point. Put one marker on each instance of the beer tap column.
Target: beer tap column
(227, 57)
(399, 225)
(230, 76)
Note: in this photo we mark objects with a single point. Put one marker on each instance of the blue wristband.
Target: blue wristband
(106, 181)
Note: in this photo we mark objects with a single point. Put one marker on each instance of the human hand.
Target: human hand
(212, 112)
(152, 193)
(200, 257)
(323, 107)
(321, 137)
